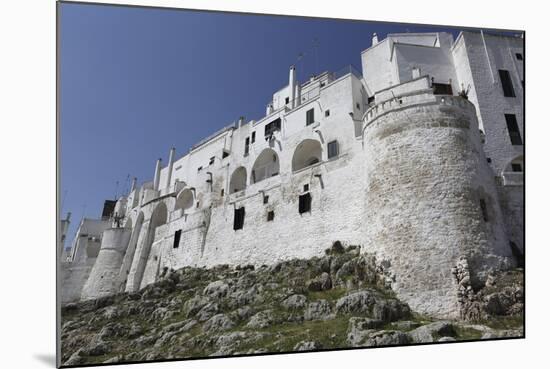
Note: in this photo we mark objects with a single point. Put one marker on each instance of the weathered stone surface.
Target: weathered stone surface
(359, 329)
(307, 346)
(387, 338)
(318, 310)
(216, 289)
(294, 302)
(427, 332)
(217, 323)
(356, 302)
(261, 320)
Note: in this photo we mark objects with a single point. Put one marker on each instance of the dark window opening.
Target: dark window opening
(306, 187)
(222, 192)
(310, 117)
(270, 128)
(442, 89)
(304, 203)
(246, 146)
(506, 82)
(322, 84)
(519, 56)
(238, 219)
(266, 199)
(483, 206)
(287, 100)
(253, 137)
(177, 237)
(370, 100)
(212, 160)
(270, 215)
(358, 106)
(198, 204)
(225, 154)
(332, 149)
(199, 169)
(516, 167)
(489, 160)
(513, 129)
(327, 113)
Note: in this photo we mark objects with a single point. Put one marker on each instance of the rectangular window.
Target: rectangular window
(212, 160)
(513, 129)
(177, 237)
(222, 192)
(516, 167)
(519, 56)
(225, 154)
(306, 187)
(483, 206)
(370, 100)
(310, 117)
(270, 128)
(270, 215)
(506, 82)
(238, 219)
(253, 137)
(266, 199)
(304, 203)
(332, 149)
(246, 146)
(327, 113)
(358, 106)
(287, 100)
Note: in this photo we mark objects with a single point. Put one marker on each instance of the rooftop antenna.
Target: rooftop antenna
(116, 190)
(316, 48)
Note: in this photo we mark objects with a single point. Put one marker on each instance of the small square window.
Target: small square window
(310, 117)
(332, 149)
(516, 167)
(238, 219)
(287, 100)
(222, 192)
(177, 237)
(266, 199)
(322, 84)
(253, 137)
(489, 160)
(306, 187)
(519, 56)
(327, 113)
(199, 169)
(225, 154)
(370, 100)
(304, 203)
(270, 215)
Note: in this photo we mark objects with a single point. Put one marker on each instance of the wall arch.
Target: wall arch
(185, 199)
(518, 160)
(238, 180)
(265, 166)
(307, 153)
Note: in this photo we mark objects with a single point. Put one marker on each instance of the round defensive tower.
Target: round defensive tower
(104, 277)
(430, 198)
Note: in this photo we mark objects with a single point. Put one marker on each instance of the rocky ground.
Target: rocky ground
(339, 300)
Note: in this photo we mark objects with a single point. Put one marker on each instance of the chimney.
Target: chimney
(156, 179)
(374, 39)
(170, 167)
(269, 109)
(134, 182)
(241, 121)
(292, 85)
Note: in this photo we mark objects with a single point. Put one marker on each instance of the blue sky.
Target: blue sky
(136, 81)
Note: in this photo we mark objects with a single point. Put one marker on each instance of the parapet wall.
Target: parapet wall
(423, 192)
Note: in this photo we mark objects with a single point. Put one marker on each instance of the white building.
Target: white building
(395, 159)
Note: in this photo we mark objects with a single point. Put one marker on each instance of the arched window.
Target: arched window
(265, 166)
(185, 200)
(238, 180)
(307, 153)
(515, 165)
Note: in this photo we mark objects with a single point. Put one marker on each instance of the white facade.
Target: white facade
(392, 160)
